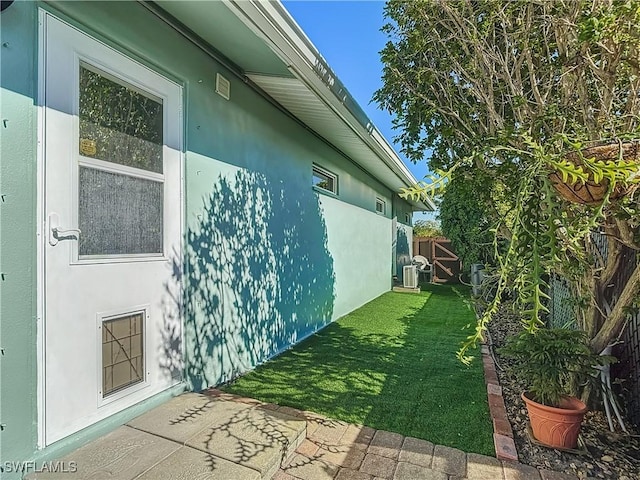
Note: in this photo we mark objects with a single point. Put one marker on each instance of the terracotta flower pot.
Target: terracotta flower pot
(591, 192)
(556, 427)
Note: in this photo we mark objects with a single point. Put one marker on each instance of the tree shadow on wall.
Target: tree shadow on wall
(258, 277)
(403, 254)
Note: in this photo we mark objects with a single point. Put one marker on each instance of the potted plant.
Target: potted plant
(555, 364)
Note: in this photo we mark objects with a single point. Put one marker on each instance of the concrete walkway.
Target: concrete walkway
(193, 436)
(226, 437)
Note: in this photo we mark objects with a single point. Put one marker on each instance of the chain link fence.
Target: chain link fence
(561, 306)
(627, 370)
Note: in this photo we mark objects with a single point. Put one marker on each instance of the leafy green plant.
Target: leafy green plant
(553, 363)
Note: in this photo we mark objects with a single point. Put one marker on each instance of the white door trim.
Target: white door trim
(41, 214)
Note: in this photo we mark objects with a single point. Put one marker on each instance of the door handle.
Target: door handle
(57, 234)
(68, 234)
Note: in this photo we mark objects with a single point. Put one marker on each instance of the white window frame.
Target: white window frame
(383, 203)
(326, 173)
(407, 218)
(111, 167)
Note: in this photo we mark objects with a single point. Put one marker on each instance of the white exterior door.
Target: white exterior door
(112, 254)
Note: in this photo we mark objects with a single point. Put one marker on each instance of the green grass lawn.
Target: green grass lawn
(389, 365)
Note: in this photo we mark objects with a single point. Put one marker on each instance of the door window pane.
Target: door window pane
(119, 214)
(119, 123)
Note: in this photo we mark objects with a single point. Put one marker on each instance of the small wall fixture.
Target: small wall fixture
(223, 86)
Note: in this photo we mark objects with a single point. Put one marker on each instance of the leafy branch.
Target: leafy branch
(435, 186)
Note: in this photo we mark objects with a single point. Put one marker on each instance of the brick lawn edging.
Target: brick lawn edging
(502, 430)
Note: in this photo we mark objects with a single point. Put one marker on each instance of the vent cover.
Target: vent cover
(223, 86)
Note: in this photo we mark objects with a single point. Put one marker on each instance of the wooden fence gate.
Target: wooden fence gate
(445, 263)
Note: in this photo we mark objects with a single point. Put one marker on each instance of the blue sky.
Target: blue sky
(347, 34)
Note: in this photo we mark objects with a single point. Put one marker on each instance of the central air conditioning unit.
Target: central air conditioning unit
(409, 276)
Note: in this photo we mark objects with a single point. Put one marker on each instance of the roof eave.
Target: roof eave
(272, 23)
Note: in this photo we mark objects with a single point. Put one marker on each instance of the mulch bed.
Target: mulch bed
(609, 455)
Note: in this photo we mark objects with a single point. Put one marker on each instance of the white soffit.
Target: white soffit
(296, 97)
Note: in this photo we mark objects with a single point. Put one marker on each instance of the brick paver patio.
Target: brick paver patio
(337, 450)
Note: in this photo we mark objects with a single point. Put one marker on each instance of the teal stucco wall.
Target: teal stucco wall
(404, 248)
(267, 260)
(403, 236)
(18, 143)
(401, 210)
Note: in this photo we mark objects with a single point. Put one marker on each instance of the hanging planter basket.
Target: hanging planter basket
(592, 192)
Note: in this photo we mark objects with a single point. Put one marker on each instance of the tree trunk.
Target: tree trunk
(615, 320)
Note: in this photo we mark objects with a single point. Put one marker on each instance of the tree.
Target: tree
(511, 91)
(427, 228)
(468, 215)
